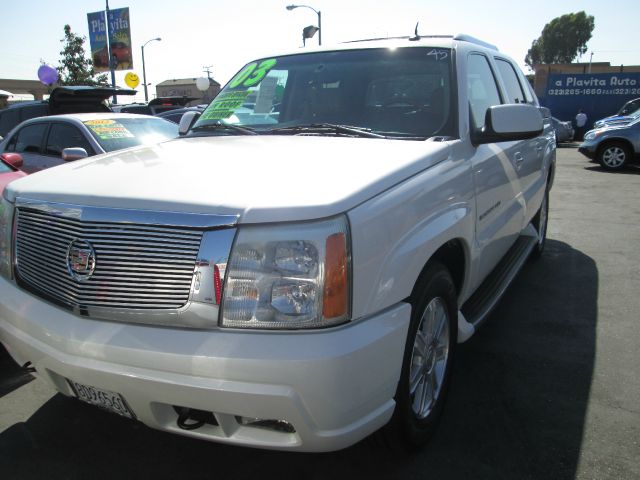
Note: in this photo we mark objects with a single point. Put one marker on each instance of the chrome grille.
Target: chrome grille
(137, 266)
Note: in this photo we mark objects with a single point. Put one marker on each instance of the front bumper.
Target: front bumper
(588, 150)
(334, 386)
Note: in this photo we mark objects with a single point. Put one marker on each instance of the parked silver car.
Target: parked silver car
(564, 130)
(45, 142)
(613, 146)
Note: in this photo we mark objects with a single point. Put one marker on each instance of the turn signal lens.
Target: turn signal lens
(336, 287)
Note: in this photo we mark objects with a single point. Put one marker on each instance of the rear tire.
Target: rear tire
(427, 361)
(540, 222)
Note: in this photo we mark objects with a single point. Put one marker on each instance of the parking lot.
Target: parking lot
(547, 389)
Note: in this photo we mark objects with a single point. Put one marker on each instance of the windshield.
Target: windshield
(403, 92)
(118, 133)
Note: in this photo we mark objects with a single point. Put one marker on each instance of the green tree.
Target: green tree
(562, 39)
(74, 67)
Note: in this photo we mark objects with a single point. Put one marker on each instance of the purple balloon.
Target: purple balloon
(47, 74)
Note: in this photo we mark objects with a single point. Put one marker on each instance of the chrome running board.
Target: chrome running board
(478, 307)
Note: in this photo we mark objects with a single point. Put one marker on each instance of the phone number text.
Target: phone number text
(594, 91)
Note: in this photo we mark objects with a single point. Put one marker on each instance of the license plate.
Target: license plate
(111, 401)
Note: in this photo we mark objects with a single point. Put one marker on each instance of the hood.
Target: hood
(258, 178)
(614, 119)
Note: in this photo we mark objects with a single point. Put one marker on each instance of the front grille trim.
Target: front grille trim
(154, 280)
(131, 270)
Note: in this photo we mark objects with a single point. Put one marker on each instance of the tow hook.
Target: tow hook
(192, 419)
(29, 368)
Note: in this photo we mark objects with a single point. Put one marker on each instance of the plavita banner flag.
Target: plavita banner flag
(98, 41)
(120, 39)
(121, 57)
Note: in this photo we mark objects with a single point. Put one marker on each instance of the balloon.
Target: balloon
(47, 74)
(202, 84)
(132, 79)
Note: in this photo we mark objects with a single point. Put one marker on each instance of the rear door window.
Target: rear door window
(29, 139)
(63, 136)
(515, 92)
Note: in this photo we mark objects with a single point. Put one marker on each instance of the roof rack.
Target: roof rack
(468, 38)
(462, 37)
(406, 37)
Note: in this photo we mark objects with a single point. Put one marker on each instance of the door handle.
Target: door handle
(518, 158)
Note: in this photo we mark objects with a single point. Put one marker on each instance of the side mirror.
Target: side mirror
(187, 120)
(13, 159)
(504, 123)
(546, 113)
(75, 153)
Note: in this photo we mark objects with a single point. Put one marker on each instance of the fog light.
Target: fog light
(275, 425)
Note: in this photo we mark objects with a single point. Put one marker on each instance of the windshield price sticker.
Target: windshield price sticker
(224, 105)
(438, 54)
(252, 74)
(108, 129)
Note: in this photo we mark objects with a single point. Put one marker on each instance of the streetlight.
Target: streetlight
(291, 7)
(144, 73)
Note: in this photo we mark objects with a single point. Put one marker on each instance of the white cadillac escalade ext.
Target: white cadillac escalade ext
(296, 270)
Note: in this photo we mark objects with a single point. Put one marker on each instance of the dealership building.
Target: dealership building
(186, 87)
(599, 89)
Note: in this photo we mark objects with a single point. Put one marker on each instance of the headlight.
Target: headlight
(6, 229)
(289, 276)
(591, 134)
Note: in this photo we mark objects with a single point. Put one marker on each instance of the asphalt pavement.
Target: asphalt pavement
(547, 389)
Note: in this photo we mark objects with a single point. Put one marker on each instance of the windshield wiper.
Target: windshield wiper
(321, 128)
(224, 126)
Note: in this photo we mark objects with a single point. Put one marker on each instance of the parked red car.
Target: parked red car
(10, 164)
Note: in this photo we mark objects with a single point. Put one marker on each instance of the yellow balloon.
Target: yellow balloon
(131, 79)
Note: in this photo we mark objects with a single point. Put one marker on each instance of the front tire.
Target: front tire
(427, 361)
(614, 156)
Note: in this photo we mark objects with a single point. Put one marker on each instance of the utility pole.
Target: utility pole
(113, 73)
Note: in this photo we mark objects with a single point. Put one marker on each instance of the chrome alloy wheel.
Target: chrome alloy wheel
(429, 358)
(614, 156)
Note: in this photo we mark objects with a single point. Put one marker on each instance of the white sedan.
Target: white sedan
(45, 142)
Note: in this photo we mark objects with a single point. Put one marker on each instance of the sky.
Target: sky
(224, 35)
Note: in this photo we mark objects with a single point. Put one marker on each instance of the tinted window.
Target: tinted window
(144, 110)
(29, 138)
(8, 119)
(4, 168)
(483, 91)
(174, 117)
(63, 136)
(515, 94)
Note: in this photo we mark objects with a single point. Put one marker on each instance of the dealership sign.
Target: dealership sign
(599, 94)
(118, 54)
(599, 84)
